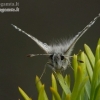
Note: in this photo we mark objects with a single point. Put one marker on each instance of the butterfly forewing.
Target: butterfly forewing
(44, 46)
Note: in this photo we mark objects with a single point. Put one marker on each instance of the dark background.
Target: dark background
(46, 20)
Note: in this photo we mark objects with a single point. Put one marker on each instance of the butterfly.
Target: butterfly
(58, 54)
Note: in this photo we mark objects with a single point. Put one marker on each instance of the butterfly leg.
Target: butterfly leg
(43, 71)
(53, 69)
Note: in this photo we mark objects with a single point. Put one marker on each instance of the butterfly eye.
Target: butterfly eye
(62, 57)
(51, 56)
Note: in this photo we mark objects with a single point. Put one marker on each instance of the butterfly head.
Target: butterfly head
(57, 62)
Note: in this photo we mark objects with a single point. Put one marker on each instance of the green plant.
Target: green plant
(86, 69)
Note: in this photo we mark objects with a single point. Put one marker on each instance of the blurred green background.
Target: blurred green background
(47, 20)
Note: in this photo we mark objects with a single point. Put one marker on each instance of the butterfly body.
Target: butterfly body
(57, 62)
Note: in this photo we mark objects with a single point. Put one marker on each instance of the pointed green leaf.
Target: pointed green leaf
(55, 94)
(98, 42)
(90, 55)
(25, 96)
(54, 85)
(95, 80)
(39, 86)
(97, 55)
(76, 84)
(89, 68)
(81, 56)
(42, 95)
(90, 75)
(75, 65)
(87, 90)
(63, 96)
(81, 88)
(67, 79)
(63, 83)
(97, 93)
(38, 83)
(79, 84)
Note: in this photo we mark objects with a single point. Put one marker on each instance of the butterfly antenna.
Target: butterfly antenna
(67, 56)
(32, 55)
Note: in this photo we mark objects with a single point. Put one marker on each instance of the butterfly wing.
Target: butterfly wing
(44, 46)
(76, 38)
(66, 47)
